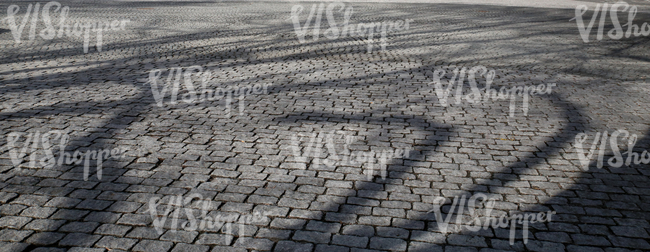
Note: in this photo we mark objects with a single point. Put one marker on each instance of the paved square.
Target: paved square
(276, 145)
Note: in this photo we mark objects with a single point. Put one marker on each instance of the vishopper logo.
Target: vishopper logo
(375, 161)
(205, 94)
(50, 32)
(334, 32)
(458, 79)
(615, 33)
(617, 160)
(17, 154)
(205, 221)
(475, 223)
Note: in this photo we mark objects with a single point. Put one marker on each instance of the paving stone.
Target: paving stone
(421, 246)
(326, 227)
(77, 249)
(115, 243)
(11, 209)
(350, 241)
(11, 235)
(216, 239)
(111, 229)
(228, 249)
(463, 249)
(45, 225)
(151, 245)
(589, 240)
(68, 214)
(38, 212)
(293, 246)
(553, 237)
(144, 233)
(79, 239)
(630, 232)
(544, 246)
(190, 247)
(629, 242)
(252, 243)
(287, 223)
(94, 204)
(45, 249)
(574, 248)
(79, 227)
(13, 222)
(429, 237)
(465, 240)
(387, 244)
(13, 246)
(358, 230)
(179, 236)
(31, 200)
(311, 236)
(330, 248)
(45, 238)
(392, 232)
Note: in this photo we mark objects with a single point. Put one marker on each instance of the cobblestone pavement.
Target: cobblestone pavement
(244, 164)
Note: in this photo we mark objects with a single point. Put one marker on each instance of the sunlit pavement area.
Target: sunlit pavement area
(245, 164)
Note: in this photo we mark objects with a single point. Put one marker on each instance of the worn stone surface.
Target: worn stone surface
(384, 100)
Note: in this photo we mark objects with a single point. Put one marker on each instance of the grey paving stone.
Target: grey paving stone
(78, 249)
(45, 225)
(45, 238)
(228, 249)
(629, 242)
(421, 246)
(350, 241)
(330, 248)
(115, 243)
(293, 246)
(252, 243)
(79, 240)
(463, 249)
(38, 212)
(287, 223)
(311, 236)
(358, 230)
(13, 222)
(112, 229)
(179, 236)
(68, 214)
(151, 245)
(94, 204)
(12, 235)
(388, 244)
(326, 227)
(190, 247)
(429, 237)
(216, 239)
(553, 237)
(465, 240)
(11, 209)
(79, 227)
(544, 246)
(392, 232)
(582, 239)
(144, 233)
(13, 246)
(574, 248)
(46, 249)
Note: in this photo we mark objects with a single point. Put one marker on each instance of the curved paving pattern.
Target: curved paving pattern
(244, 163)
